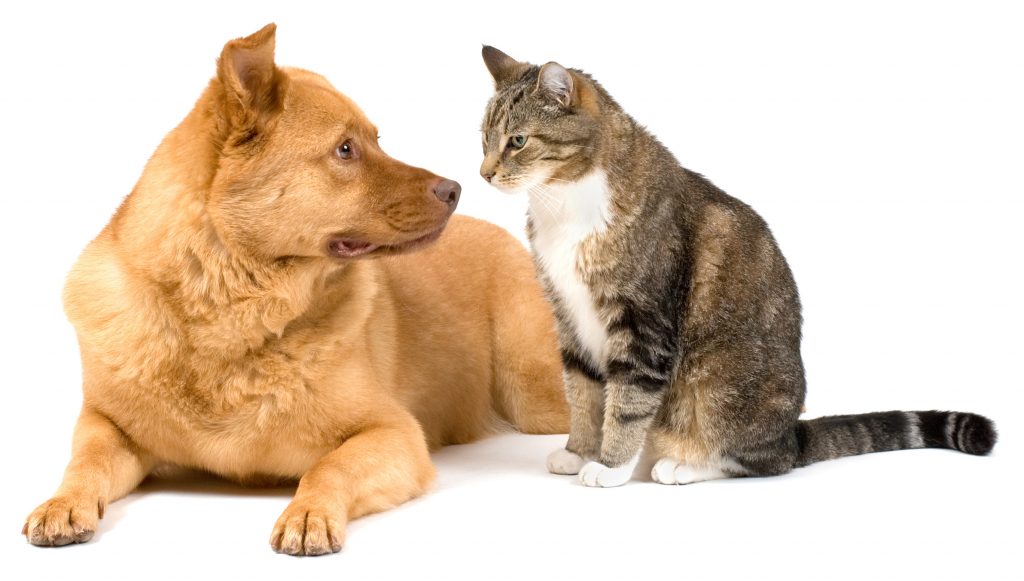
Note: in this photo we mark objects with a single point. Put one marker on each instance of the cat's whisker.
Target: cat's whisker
(546, 189)
(546, 199)
(540, 198)
(555, 199)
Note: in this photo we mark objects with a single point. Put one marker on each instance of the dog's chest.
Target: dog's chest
(266, 413)
(564, 218)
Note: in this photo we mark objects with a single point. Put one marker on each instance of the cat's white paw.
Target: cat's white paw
(562, 461)
(664, 471)
(598, 475)
(672, 471)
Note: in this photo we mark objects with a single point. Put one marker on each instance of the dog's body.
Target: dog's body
(228, 322)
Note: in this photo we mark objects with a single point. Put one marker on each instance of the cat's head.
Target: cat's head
(542, 126)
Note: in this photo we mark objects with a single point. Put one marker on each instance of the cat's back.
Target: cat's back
(739, 276)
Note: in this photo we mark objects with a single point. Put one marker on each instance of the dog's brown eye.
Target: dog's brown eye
(346, 150)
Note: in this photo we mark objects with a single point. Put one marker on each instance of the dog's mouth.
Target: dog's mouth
(345, 247)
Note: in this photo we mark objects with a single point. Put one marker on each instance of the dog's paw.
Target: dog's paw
(562, 461)
(309, 528)
(63, 520)
(672, 471)
(596, 474)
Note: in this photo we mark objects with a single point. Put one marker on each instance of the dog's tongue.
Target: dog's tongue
(348, 248)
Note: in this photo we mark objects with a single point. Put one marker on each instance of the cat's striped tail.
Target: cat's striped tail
(837, 436)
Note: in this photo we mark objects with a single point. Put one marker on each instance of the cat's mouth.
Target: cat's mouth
(502, 186)
(514, 186)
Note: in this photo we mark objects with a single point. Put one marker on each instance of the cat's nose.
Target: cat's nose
(487, 174)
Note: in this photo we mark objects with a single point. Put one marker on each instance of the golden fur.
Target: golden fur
(217, 330)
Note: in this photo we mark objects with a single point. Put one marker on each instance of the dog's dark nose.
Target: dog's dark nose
(448, 192)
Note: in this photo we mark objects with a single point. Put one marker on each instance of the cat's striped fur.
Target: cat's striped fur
(679, 319)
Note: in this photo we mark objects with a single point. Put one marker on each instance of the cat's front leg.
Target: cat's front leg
(639, 372)
(585, 393)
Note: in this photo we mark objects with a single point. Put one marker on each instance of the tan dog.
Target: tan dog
(251, 310)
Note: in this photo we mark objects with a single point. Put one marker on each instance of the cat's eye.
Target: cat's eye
(346, 150)
(517, 141)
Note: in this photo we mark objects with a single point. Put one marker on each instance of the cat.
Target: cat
(678, 316)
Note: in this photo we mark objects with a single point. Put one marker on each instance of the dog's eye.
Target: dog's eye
(346, 150)
(517, 141)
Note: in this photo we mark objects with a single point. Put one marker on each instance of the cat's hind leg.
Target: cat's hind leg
(683, 458)
(674, 471)
(683, 461)
(685, 442)
(732, 413)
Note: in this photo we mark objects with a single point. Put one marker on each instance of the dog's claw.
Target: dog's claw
(308, 531)
(62, 520)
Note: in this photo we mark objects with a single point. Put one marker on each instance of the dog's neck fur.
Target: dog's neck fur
(227, 301)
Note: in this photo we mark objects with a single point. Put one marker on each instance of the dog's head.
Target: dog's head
(300, 172)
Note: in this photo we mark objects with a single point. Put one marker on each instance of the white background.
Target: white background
(883, 142)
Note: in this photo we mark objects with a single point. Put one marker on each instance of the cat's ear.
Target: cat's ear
(556, 82)
(503, 68)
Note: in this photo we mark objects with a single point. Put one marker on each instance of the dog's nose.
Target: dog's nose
(448, 192)
(487, 174)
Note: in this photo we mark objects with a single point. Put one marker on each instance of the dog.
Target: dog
(279, 300)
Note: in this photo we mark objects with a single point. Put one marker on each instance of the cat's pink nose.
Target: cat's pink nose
(487, 174)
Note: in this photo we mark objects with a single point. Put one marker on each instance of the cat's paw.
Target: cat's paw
(664, 471)
(672, 471)
(562, 461)
(596, 474)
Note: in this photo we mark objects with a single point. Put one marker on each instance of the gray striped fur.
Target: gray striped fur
(700, 308)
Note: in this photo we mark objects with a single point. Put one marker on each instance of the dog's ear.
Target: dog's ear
(504, 68)
(252, 85)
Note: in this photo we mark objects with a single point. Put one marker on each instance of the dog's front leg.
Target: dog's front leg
(105, 465)
(381, 466)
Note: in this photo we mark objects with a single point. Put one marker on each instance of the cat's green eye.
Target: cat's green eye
(517, 141)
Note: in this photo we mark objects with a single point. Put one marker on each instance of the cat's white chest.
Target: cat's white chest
(563, 217)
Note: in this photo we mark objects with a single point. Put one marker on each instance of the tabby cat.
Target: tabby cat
(678, 317)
